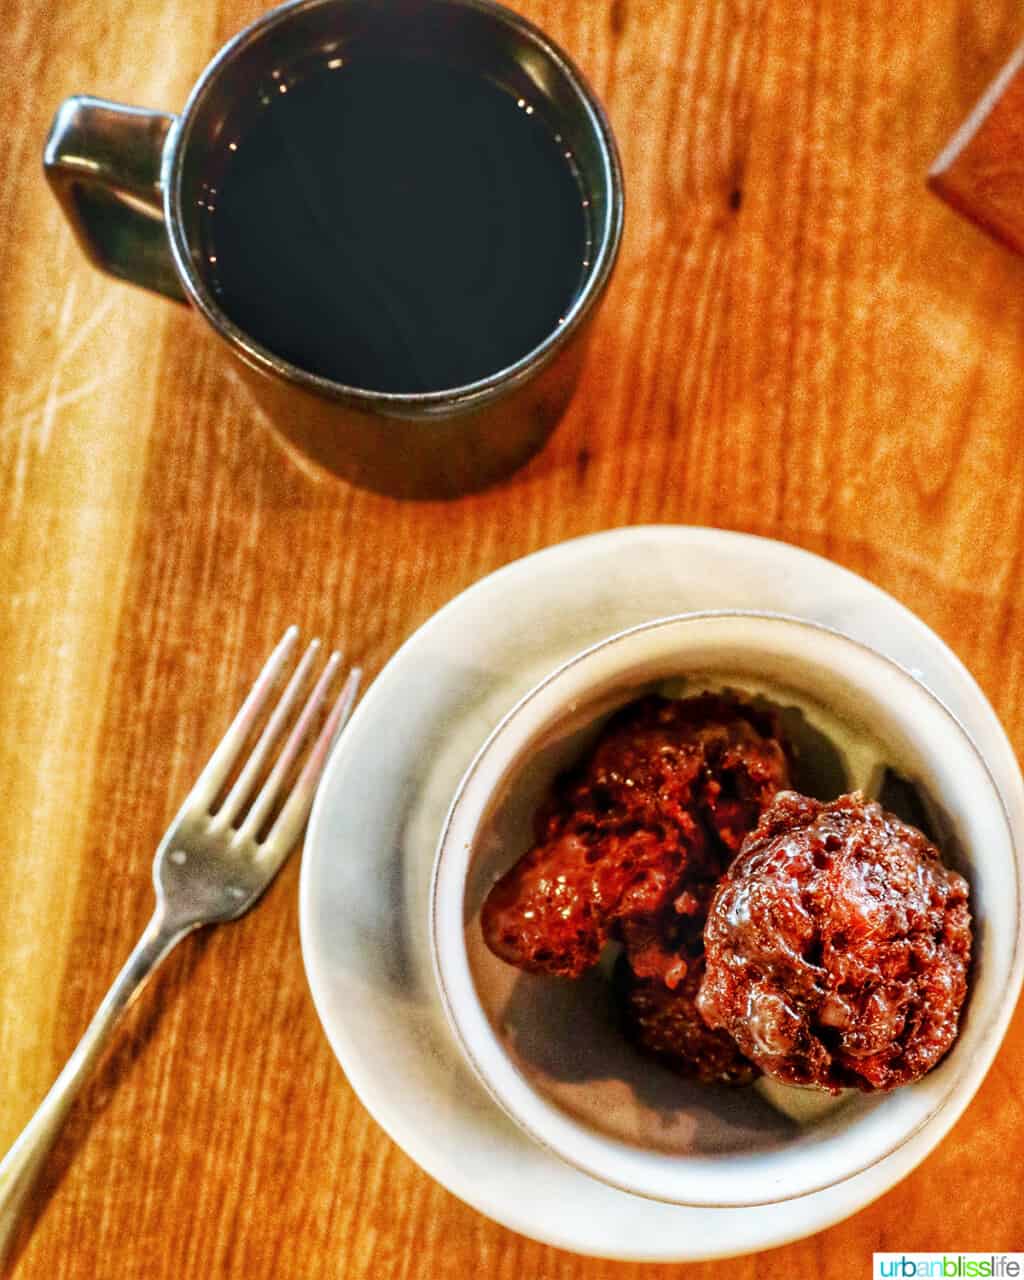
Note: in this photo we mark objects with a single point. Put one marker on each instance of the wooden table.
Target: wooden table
(800, 341)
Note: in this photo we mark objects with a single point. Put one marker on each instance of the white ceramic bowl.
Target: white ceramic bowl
(547, 1049)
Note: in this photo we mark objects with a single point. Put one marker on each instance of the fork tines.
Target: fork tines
(296, 804)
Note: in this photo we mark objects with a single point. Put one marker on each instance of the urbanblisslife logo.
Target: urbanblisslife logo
(948, 1266)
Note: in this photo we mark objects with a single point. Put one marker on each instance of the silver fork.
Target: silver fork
(210, 866)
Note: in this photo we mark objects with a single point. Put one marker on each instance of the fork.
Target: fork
(212, 864)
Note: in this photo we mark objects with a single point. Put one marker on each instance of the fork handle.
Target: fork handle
(21, 1165)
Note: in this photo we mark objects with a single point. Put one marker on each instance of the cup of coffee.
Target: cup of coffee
(398, 215)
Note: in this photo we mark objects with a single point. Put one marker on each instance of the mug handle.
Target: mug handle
(103, 162)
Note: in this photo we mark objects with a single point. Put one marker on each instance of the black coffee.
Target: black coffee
(395, 225)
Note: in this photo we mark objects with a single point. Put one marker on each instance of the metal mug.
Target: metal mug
(128, 180)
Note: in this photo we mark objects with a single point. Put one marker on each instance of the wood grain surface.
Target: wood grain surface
(800, 341)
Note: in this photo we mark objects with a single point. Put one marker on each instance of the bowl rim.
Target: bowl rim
(962, 1085)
